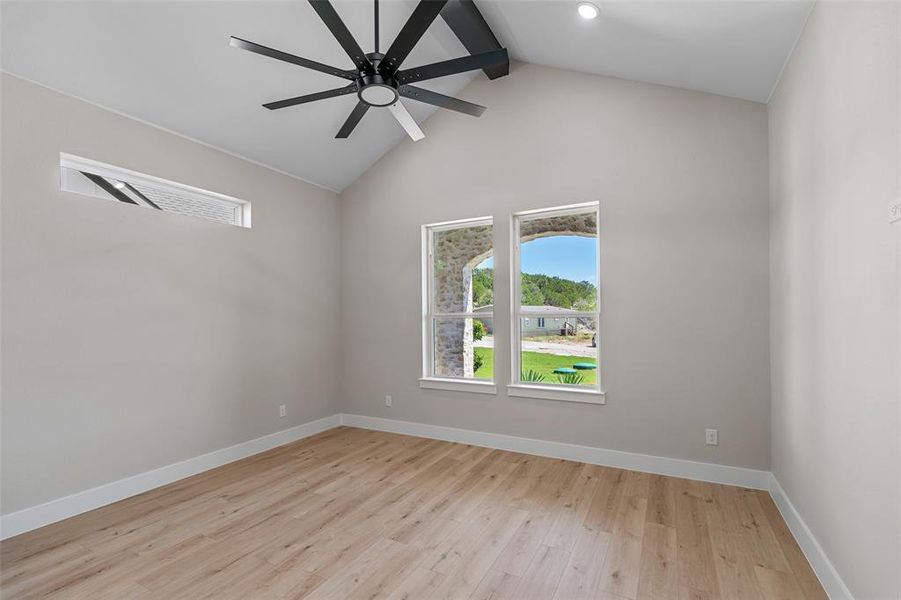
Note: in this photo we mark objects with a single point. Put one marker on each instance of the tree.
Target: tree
(585, 304)
(538, 290)
(482, 287)
(531, 292)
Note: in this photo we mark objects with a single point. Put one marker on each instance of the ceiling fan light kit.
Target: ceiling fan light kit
(377, 80)
(378, 90)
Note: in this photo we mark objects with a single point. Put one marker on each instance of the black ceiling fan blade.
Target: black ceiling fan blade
(470, 27)
(440, 100)
(355, 115)
(415, 27)
(453, 66)
(350, 89)
(290, 58)
(330, 17)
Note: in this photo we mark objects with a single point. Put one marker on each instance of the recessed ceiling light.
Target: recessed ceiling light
(587, 10)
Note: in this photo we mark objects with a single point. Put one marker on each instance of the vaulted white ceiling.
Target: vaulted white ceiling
(169, 63)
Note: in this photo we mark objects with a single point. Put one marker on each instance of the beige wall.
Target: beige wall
(133, 339)
(682, 181)
(835, 125)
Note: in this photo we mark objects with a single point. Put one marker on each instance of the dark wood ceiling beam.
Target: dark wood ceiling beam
(468, 24)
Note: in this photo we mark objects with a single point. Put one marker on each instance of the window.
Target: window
(92, 178)
(458, 310)
(555, 280)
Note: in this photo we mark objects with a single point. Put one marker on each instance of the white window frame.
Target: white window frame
(572, 393)
(428, 379)
(77, 163)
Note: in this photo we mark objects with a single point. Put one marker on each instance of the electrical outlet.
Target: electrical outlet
(712, 437)
(388, 400)
(894, 211)
(282, 411)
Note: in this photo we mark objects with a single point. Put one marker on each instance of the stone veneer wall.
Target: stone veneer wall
(455, 253)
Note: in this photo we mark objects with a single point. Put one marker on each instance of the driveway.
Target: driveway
(544, 347)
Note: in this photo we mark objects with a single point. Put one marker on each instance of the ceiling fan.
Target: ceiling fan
(377, 79)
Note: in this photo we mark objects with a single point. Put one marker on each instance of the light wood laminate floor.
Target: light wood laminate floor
(351, 513)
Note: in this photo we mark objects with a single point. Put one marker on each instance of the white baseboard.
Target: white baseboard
(80, 502)
(62, 508)
(822, 566)
(675, 467)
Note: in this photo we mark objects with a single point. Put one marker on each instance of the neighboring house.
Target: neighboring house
(544, 325)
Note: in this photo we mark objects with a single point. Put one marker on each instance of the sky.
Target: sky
(567, 256)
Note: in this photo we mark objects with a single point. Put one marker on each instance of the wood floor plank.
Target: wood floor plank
(468, 560)
(289, 580)
(733, 559)
(605, 504)
(518, 555)
(659, 575)
(497, 585)
(807, 579)
(622, 573)
(697, 571)
(763, 540)
(342, 583)
(661, 501)
(350, 513)
(572, 507)
(582, 576)
(420, 583)
(544, 574)
(778, 585)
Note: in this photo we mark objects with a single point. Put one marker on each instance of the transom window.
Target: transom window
(92, 178)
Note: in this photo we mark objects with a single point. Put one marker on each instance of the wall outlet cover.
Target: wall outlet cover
(894, 211)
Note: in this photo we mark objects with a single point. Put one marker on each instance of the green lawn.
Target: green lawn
(538, 361)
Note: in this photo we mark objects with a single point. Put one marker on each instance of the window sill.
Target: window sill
(556, 393)
(458, 385)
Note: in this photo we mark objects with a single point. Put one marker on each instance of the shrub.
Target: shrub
(571, 378)
(531, 375)
(477, 361)
(478, 330)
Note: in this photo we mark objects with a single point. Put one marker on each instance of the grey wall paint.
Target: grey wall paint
(682, 181)
(835, 132)
(134, 339)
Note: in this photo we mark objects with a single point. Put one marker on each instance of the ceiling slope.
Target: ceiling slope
(169, 63)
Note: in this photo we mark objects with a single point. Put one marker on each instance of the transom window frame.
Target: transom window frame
(428, 379)
(585, 394)
(71, 162)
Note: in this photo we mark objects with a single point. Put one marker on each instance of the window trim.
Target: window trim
(556, 392)
(518, 388)
(478, 386)
(428, 379)
(78, 163)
